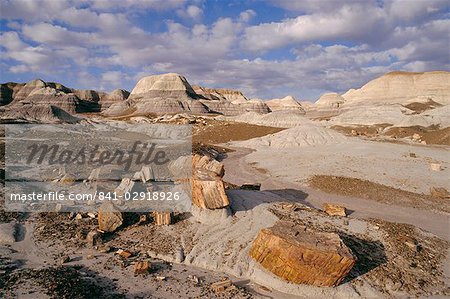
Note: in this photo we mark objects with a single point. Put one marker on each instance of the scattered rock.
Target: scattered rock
(94, 238)
(7, 232)
(161, 278)
(91, 215)
(416, 137)
(141, 267)
(256, 187)
(109, 217)
(412, 155)
(124, 253)
(79, 216)
(65, 259)
(221, 286)
(298, 255)
(335, 210)
(435, 166)
(439, 192)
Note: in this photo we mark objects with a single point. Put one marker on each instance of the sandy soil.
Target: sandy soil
(214, 132)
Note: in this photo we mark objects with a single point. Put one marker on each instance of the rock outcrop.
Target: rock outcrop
(402, 88)
(228, 108)
(8, 91)
(330, 100)
(302, 256)
(220, 94)
(286, 103)
(116, 96)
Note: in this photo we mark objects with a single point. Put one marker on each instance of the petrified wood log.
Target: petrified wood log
(302, 256)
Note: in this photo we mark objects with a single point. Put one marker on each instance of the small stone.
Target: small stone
(416, 137)
(435, 166)
(104, 249)
(94, 238)
(143, 219)
(124, 253)
(335, 210)
(412, 155)
(141, 267)
(91, 215)
(79, 216)
(161, 278)
(65, 259)
(58, 208)
(255, 187)
(439, 192)
(90, 257)
(221, 286)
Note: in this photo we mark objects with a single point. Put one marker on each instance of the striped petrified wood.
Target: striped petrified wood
(208, 190)
(302, 256)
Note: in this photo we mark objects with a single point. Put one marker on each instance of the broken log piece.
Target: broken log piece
(141, 267)
(334, 210)
(221, 286)
(162, 218)
(302, 256)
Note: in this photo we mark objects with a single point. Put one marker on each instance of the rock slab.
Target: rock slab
(302, 256)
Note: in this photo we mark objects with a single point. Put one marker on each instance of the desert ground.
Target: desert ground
(343, 198)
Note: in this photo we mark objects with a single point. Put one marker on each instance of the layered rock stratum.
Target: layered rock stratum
(403, 88)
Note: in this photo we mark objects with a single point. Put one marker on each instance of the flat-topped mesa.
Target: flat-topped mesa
(403, 88)
(330, 100)
(286, 103)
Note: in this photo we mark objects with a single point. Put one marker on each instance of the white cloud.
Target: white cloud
(364, 40)
(247, 15)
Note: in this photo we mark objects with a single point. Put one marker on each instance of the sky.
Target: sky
(266, 49)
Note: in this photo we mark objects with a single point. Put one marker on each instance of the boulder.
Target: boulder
(109, 217)
(302, 256)
(334, 210)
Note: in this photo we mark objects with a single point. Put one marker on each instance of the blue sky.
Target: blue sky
(266, 49)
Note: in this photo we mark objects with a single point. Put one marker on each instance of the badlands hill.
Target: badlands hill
(403, 88)
(394, 88)
(286, 103)
(38, 100)
(172, 93)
